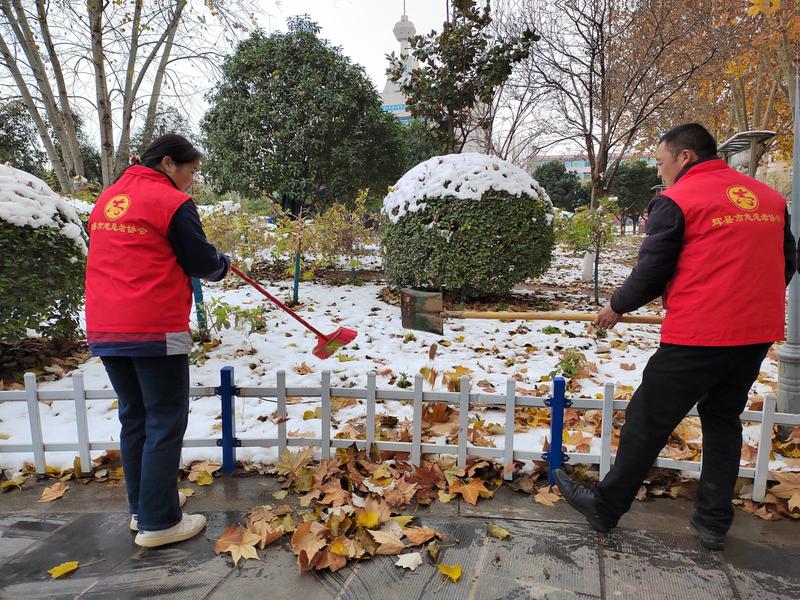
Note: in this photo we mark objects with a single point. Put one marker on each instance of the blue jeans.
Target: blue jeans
(153, 395)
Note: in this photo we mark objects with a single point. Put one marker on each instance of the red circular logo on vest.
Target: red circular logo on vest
(742, 197)
(117, 206)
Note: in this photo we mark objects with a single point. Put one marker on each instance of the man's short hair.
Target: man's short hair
(691, 136)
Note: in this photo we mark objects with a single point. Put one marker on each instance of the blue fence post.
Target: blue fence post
(229, 441)
(555, 457)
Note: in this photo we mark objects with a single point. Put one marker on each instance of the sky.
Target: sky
(363, 28)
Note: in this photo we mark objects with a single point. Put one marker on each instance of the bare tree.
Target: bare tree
(609, 66)
(129, 52)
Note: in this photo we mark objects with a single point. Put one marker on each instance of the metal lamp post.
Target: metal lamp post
(789, 354)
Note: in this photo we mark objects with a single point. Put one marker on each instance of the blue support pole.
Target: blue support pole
(555, 457)
(199, 309)
(296, 288)
(229, 441)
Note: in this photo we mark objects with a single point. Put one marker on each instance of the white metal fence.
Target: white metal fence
(464, 399)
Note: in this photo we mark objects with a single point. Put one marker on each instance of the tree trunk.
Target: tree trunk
(22, 31)
(152, 108)
(128, 93)
(52, 154)
(95, 10)
(66, 109)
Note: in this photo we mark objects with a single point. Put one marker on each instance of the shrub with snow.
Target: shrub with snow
(42, 259)
(470, 224)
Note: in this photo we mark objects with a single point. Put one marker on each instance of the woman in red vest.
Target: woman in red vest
(720, 251)
(146, 243)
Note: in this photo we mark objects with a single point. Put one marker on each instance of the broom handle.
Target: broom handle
(545, 316)
(308, 326)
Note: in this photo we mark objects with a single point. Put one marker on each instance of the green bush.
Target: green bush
(469, 247)
(41, 282)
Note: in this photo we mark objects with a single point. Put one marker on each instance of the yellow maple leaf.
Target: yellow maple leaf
(445, 497)
(204, 478)
(13, 483)
(403, 520)
(63, 569)
(368, 519)
(452, 571)
(188, 492)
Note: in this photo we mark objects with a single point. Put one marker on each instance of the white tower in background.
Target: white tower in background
(392, 98)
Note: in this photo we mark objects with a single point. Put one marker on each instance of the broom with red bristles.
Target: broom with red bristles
(327, 344)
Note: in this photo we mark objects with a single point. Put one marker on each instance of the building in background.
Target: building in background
(392, 98)
(579, 164)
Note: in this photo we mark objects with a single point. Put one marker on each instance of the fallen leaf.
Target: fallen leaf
(418, 535)
(546, 496)
(239, 541)
(201, 477)
(433, 550)
(409, 561)
(470, 492)
(452, 571)
(628, 366)
(188, 492)
(788, 485)
(312, 414)
(63, 569)
(307, 543)
(389, 542)
(6, 485)
(497, 532)
(280, 495)
(444, 497)
(303, 369)
(54, 492)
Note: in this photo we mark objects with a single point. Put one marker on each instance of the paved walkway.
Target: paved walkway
(552, 554)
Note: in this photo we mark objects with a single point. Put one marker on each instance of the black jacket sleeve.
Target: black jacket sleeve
(790, 250)
(195, 253)
(658, 256)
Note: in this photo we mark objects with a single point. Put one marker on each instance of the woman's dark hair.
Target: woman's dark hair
(691, 136)
(177, 147)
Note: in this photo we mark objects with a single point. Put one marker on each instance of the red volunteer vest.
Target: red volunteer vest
(134, 283)
(729, 287)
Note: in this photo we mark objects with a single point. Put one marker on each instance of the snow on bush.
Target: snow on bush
(467, 223)
(42, 261)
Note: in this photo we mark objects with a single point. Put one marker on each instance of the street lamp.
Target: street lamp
(789, 354)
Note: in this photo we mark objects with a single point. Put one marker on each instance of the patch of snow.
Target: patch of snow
(465, 176)
(26, 200)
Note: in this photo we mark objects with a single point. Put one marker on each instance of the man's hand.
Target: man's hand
(607, 317)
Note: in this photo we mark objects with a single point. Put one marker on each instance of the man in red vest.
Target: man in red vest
(720, 251)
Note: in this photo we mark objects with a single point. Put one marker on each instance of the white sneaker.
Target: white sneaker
(189, 527)
(134, 518)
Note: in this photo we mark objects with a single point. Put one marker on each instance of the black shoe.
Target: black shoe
(708, 539)
(583, 499)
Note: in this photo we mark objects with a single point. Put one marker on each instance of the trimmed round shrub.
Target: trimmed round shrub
(42, 260)
(470, 224)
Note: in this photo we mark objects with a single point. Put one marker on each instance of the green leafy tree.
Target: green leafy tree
(294, 118)
(633, 187)
(18, 138)
(564, 188)
(589, 229)
(460, 68)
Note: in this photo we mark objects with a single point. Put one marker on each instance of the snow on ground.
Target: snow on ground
(494, 351)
